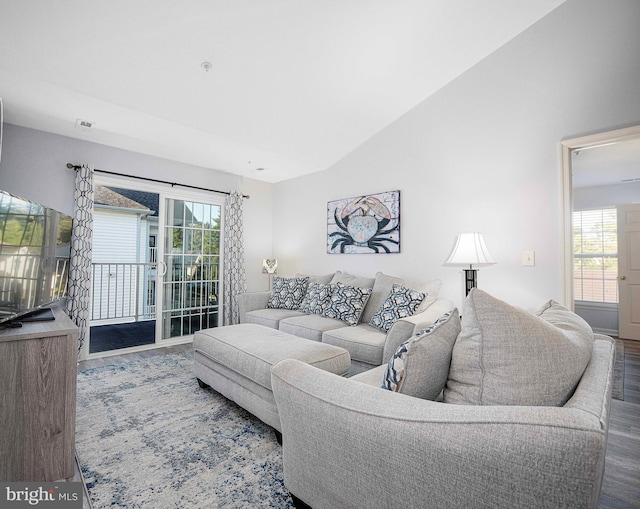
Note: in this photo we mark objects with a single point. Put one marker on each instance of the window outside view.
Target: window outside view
(595, 255)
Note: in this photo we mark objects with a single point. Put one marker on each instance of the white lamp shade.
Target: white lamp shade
(470, 249)
(269, 266)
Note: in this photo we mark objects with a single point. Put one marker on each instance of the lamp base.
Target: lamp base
(471, 279)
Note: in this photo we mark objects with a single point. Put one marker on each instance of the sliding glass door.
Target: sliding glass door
(156, 265)
(191, 256)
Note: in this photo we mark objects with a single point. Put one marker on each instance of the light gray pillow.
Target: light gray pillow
(508, 356)
(383, 285)
(318, 279)
(420, 365)
(351, 280)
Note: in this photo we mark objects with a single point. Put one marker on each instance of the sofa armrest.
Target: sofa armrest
(348, 444)
(404, 328)
(250, 301)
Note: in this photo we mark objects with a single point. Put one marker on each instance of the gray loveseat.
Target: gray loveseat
(368, 346)
(347, 443)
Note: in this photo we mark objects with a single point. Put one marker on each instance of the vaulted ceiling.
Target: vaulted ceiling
(294, 85)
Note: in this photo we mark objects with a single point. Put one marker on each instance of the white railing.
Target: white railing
(123, 291)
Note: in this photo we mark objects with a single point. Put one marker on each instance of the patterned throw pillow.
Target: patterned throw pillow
(400, 303)
(347, 303)
(316, 299)
(287, 293)
(420, 366)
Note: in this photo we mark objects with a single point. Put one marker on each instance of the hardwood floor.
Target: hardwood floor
(621, 484)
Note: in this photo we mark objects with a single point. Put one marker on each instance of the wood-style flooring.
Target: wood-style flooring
(621, 484)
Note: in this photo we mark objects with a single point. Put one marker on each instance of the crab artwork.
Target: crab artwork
(364, 224)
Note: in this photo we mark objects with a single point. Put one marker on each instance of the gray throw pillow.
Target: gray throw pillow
(508, 356)
(287, 293)
(420, 365)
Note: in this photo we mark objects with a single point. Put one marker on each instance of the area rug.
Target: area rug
(618, 372)
(148, 437)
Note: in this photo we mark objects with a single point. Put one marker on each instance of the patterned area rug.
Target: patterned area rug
(148, 437)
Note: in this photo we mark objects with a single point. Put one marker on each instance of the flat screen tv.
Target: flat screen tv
(35, 245)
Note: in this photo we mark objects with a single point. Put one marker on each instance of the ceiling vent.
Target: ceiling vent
(84, 125)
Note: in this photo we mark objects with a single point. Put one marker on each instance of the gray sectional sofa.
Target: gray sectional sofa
(369, 346)
(521, 420)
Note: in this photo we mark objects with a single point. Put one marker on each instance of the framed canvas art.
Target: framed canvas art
(364, 224)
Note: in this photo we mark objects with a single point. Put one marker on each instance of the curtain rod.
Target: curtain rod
(172, 184)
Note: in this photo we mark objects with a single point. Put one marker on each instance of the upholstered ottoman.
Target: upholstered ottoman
(236, 360)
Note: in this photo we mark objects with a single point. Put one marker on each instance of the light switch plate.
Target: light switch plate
(528, 258)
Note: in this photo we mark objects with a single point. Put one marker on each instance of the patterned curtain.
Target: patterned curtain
(80, 268)
(234, 275)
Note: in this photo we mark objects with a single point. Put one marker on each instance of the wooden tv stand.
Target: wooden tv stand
(38, 371)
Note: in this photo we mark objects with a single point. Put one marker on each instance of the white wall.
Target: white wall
(34, 162)
(482, 155)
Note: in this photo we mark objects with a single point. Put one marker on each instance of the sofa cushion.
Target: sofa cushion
(317, 298)
(310, 326)
(383, 285)
(364, 342)
(348, 279)
(400, 303)
(287, 293)
(270, 317)
(508, 356)
(318, 279)
(347, 303)
(420, 366)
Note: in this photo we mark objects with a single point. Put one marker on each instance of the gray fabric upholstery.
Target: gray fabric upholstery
(310, 326)
(508, 356)
(421, 364)
(351, 445)
(364, 342)
(318, 279)
(250, 301)
(348, 279)
(382, 287)
(372, 376)
(252, 310)
(270, 317)
(236, 361)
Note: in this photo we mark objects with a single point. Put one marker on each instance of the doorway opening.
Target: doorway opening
(600, 174)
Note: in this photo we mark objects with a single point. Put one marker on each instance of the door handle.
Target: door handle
(623, 278)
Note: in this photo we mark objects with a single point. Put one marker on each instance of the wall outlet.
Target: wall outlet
(528, 258)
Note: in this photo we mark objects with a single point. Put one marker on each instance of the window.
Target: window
(595, 255)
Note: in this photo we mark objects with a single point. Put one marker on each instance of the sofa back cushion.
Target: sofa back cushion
(350, 280)
(508, 356)
(287, 293)
(420, 365)
(382, 286)
(326, 278)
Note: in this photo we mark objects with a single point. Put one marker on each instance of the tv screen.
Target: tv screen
(35, 244)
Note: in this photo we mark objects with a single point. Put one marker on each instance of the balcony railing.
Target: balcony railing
(123, 291)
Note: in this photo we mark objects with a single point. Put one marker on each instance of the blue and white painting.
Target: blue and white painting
(364, 224)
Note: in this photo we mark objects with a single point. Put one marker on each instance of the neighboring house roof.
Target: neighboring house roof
(151, 201)
(106, 196)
